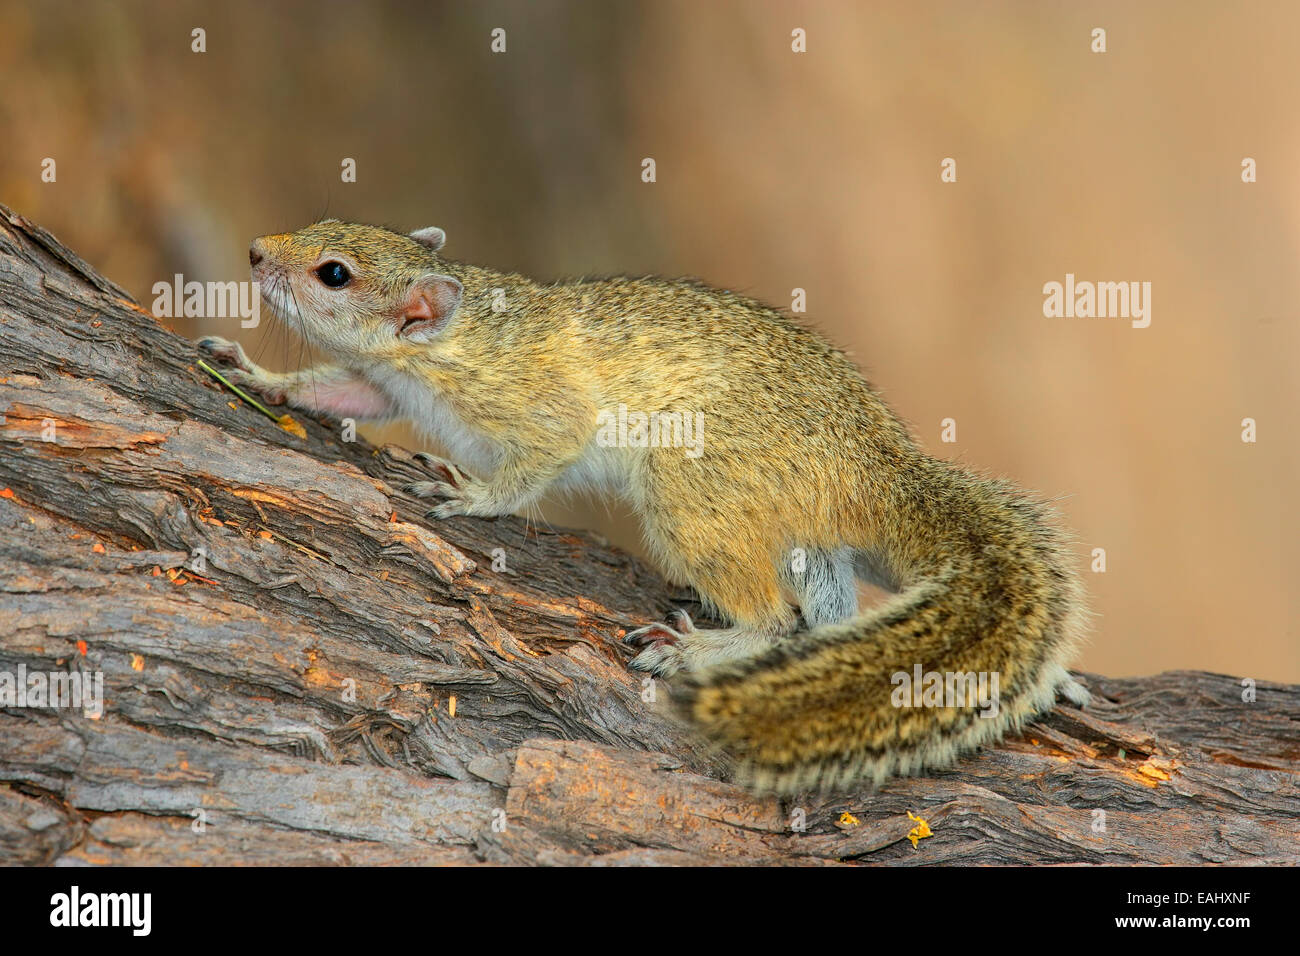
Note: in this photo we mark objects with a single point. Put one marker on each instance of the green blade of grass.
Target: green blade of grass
(238, 391)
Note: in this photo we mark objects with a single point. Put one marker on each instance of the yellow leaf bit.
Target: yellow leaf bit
(1156, 769)
(288, 423)
(848, 820)
(920, 831)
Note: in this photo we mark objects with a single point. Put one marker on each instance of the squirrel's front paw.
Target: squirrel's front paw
(223, 350)
(238, 370)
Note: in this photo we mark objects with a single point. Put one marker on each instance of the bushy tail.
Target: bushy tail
(836, 705)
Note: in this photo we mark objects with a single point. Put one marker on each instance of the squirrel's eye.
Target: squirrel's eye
(333, 274)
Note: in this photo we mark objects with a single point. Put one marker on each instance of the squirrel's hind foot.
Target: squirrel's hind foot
(662, 656)
(1070, 689)
(679, 646)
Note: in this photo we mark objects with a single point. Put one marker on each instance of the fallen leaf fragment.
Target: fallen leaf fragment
(288, 423)
(1153, 770)
(918, 832)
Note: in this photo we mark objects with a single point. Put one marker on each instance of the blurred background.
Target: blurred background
(777, 170)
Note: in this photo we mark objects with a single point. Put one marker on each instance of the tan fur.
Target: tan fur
(799, 452)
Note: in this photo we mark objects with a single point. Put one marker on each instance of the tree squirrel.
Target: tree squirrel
(806, 482)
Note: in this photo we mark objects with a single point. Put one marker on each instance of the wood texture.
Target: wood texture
(340, 681)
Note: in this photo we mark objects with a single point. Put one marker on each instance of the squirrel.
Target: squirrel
(806, 483)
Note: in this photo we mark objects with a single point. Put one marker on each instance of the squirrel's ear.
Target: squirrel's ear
(430, 236)
(430, 303)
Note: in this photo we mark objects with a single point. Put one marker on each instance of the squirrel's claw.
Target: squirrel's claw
(455, 503)
(430, 489)
(653, 634)
(680, 627)
(681, 621)
(448, 509)
(444, 469)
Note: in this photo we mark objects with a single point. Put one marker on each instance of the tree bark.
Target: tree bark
(299, 668)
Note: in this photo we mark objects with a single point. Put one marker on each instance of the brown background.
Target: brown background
(778, 170)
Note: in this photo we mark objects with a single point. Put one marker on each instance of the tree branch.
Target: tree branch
(340, 681)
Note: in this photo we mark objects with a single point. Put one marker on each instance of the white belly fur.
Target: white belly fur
(434, 418)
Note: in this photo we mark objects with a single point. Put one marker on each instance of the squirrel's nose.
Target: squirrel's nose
(254, 254)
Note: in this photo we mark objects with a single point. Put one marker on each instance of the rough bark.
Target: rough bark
(341, 681)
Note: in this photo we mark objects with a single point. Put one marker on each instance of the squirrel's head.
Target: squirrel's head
(355, 289)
